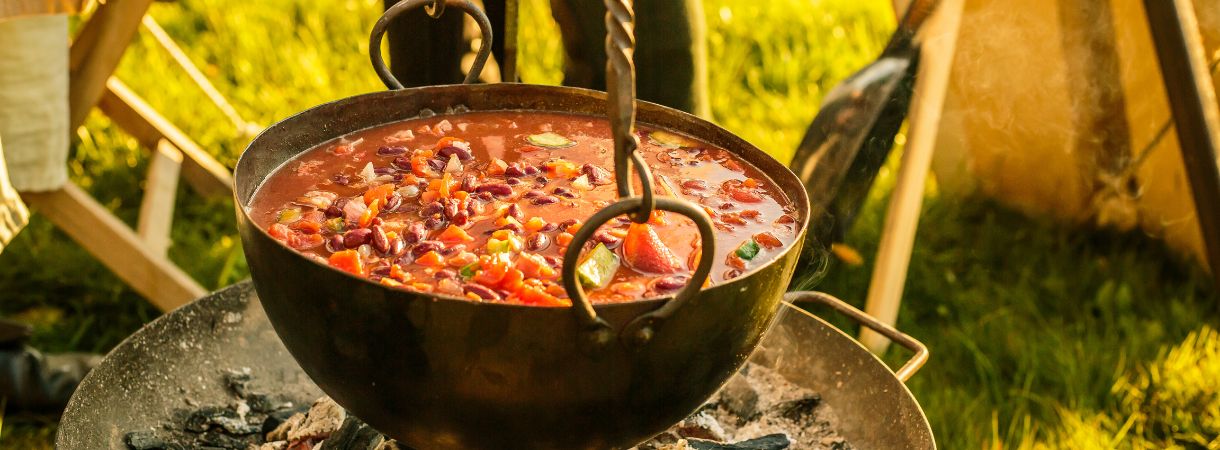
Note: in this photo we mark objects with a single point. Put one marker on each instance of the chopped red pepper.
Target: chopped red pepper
(347, 261)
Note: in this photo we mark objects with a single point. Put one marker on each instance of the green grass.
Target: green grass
(1042, 336)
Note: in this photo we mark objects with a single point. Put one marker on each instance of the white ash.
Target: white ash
(755, 404)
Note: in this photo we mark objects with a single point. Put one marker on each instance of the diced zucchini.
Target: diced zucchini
(667, 139)
(598, 268)
(550, 140)
(289, 215)
(470, 270)
(335, 225)
(748, 250)
(509, 244)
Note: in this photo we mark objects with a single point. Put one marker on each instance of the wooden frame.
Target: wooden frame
(137, 257)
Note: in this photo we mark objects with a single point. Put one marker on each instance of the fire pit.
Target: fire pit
(215, 373)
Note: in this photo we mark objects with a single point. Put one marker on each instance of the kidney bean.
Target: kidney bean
(463, 154)
(537, 242)
(380, 241)
(565, 192)
(432, 209)
(341, 179)
(485, 196)
(381, 271)
(356, 238)
(515, 212)
(446, 274)
(425, 247)
(385, 171)
(597, 175)
(452, 207)
(531, 170)
(670, 283)
(514, 170)
(545, 200)
(514, 227)
(376, 221)
(415, 232)
(534, 193)
(391, 151)
(393, 203)
(604, 237)
(542, 180)
(334, 211)
(453, 250)
(437, 164)
(513, 181)
(497, 189)
(435, 223)
(695, 184)
(554, 261)
(396, 246)
(474, 207)
(335, 243)
(483, 292)
(401, 162)
(567, 223)
(460, 219)
(549, 227)
(469, 182)
(398, 177)
(731, 274)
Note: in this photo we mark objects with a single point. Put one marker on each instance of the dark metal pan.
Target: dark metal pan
(176, 364)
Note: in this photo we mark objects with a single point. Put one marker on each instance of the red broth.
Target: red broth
(482, 206)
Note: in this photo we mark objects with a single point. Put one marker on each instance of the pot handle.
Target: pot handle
(907, 370)
(434, 8)
(620, 96)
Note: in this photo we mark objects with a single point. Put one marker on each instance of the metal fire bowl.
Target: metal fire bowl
(441, 372)
(182, 355)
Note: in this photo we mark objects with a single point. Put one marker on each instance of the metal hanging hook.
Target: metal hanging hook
(620, 91)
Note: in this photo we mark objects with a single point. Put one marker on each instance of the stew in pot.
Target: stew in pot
(482, 206)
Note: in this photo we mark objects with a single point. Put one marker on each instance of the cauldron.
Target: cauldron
(442, 372)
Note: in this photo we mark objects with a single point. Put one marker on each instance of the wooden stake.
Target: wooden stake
(902, 220)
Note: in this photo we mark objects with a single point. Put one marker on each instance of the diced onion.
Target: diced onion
(454, 164)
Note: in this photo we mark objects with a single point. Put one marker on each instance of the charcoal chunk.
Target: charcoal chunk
(701, 425)
(354, 434)
(799, 409)
(147, 440)
(278, 417)
(224, 441)
(238, 382)
(776, 441)
(325, 417)
(209, 417)
(740, 397)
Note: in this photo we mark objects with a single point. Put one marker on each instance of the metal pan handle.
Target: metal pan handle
(907, 370)
(434, 8)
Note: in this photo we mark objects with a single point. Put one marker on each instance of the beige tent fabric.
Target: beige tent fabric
(13, 214)
(1057, 107)
(34, 100)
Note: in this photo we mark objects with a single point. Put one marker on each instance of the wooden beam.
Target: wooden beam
(108, 239)
(902, 218)
(160, 190)
(131, 113)
(96, 52)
